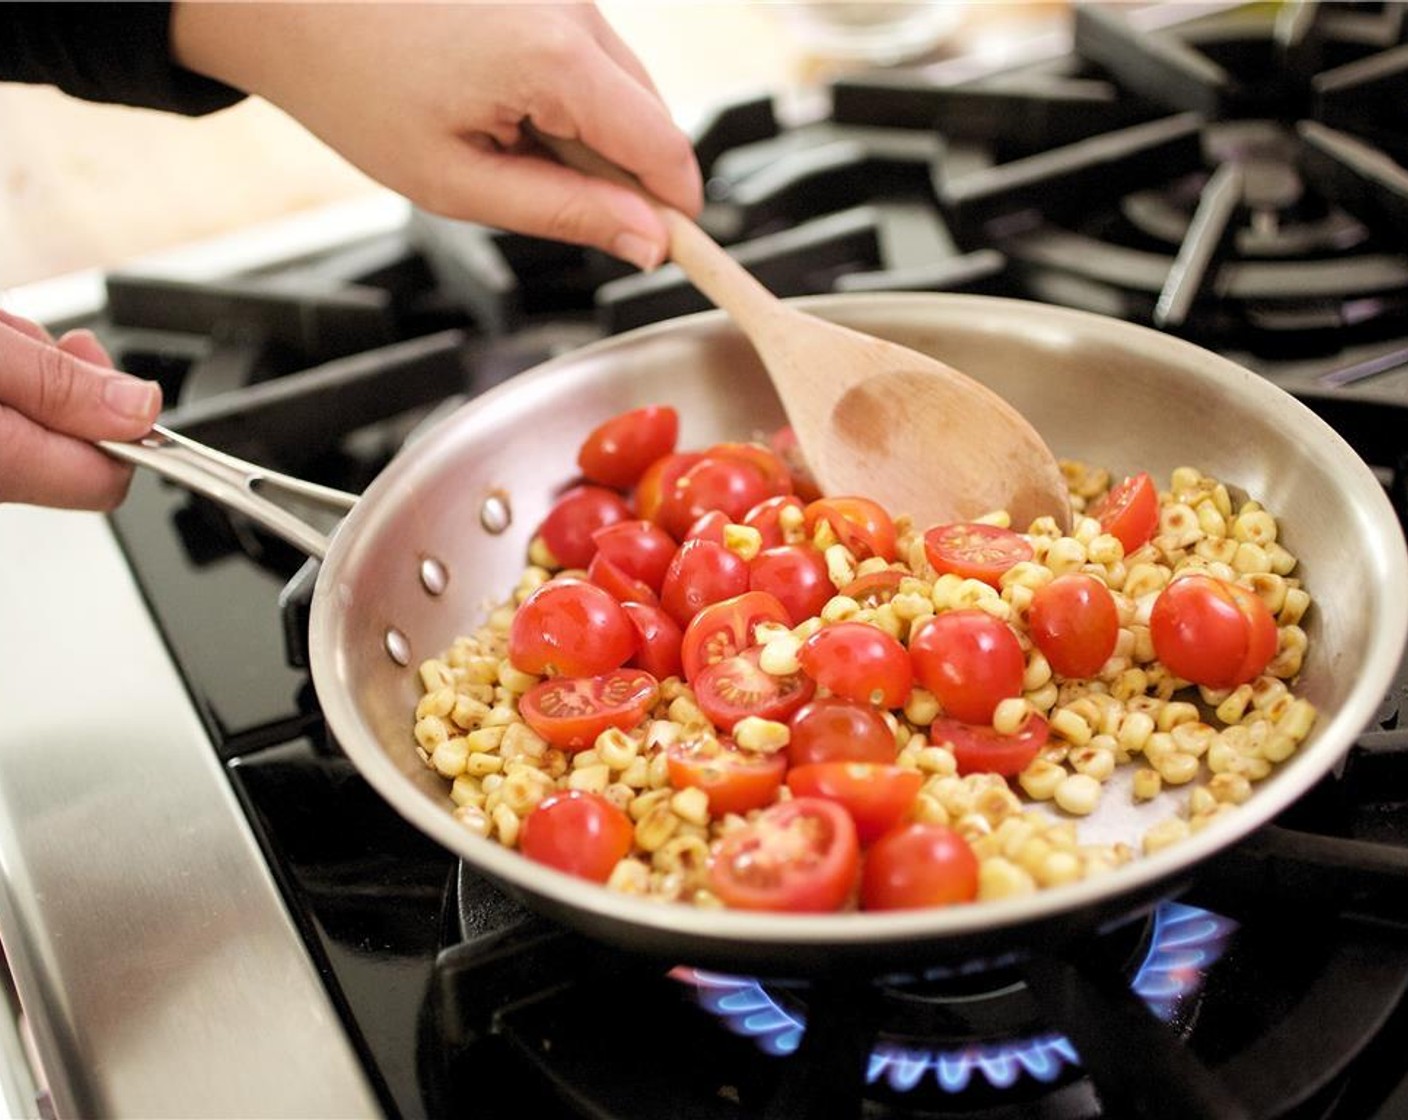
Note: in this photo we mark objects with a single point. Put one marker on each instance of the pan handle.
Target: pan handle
(235, 484)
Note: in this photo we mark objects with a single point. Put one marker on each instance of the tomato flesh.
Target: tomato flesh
(918, 865)
(725, 628)
(1130, 511)
(800, 855)
(736, 687)
(577, 832)
(979, 749)
(1212, 632)
(860, 524)
(570, 712)
(877, 795)
(859, 662)
(737, 781)
(1074, 622)
(973, 550)
(570, 627)
(969, 660)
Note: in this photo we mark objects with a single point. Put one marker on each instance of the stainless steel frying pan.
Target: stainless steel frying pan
(443, 531)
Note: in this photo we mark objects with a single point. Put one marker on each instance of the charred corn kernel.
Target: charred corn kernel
(619, 794)
(465, 790)
(1210, 520)
(1220, 550)
(1001, 878)
(523, 789)
(1254, 526)
(1193, 737)
(1166, 832)
(430, 732)
(1037, 673)
(1129, 682)
(435, 674)
(438, 703)
(1234, 705)
(449, 757)
(592, 779)
(473, 818)
(1289, 657)
(515, 680)
(766, 736)
(1071, 727)
(1078, 794)
(840, 564)
(686, 855)
(1283, 562)
(655, 828)
(1010, 714)
(1041, 778)
(1294, 608)
(1146, 784)
(1174, 713)
(1097, 764)
(629, 876)
(1177, 767)
(743, 541)
(1297, 720)
(1233, 788)
(691, 805)
(1270, 589)
(505, 824)
(615, 748)
(554, 762)
(997, 804)
(646, 803)
(1267, 692)
(921, 708)
(483, 762)
(468, 712)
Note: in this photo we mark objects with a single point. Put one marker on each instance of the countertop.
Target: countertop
(86, 186)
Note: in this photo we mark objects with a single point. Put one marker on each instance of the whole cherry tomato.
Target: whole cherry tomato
(658, 639)
(725, 628)
(860, 524)
(715, 483)
(1074, 622)
(918, 865)
(766, 517)
(974, 550)
(878, 795)
(860, 662)
(777, 478)
(575, 517)
(737, 781)
(832, 729)
(570, 628)
(701, 573)
(618, 451)
(577, 832)
(799, 855)
(659, 480)
(1130, 511)
(979, 749)
(796, 575)
(736, 687)
(570, 712)
(969, 661)
(1212, 632)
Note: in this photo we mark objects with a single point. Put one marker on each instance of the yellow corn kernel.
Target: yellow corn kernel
(616, 749)
(766, 736)
(515, 680)
(1096, 763)
(1010, 714)
(1146, 784)
(1040, 778)
(449, 757)
(1254, 526)
(1233, 788)
(743, 541)
(1176, 767)
(655, 828)
(430, 732)
(1078, 794)
(1071, 727)
(691, 804)
(1001, 878)
(629, 876)
(1166, 832)
(505, 824)
(592, 779)
(473, 818)
(465, 790)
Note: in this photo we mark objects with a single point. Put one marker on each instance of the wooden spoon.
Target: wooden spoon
(872, 418)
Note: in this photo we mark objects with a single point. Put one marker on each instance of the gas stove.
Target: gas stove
(206, 909)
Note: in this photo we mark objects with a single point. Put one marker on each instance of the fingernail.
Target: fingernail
(131, 397)
(642, 253)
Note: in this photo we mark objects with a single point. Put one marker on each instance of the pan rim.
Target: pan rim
(1331, 740)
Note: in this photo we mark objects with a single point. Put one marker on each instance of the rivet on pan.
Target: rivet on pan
(398, 646)
(495, 514)
(433, 575)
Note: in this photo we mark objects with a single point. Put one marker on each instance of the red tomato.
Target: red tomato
(859, 662)
(969, 661)
(570, 712)
(874, 588)
(729, 690)
(861, 525)
(1211, 632)
(737, 781)
(701, 573)
(571, 628)
(623, 587)
(830, 729)
(766, 518)
(918, 865)
(639, 548)
(878, 795)
(577, 832)
(796, 575)
(725, 628)
(799, 855)
(764, 460)
(1074, 622)
(729, 485)
(659, 479)
(710, 527)
(658, 639)
(973, 550)
(981, 750)
(1130, 511)
(580, 512)
(617, 452)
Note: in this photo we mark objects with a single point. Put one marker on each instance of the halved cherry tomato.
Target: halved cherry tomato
(859, 662)
(624, 588)
(1130, 511)
(861, 525)
(796, 574)
(710, 527)
(830, 729)
(659, 480)
(729, 690)
(639, 548)
(571, 628)
(969, 661)
(618, 451)
(799, 855)
(973, 550)
(874, 588)
(878, 795)
(570, 712)
(725, 628)
(1212, 632)
(577, 832)
(701, 573)
(918, 865)
(1075, 624)
(575, 517)
(737, 781)
(729, 485)
(658, 639)
(981, 750)
(766, 517)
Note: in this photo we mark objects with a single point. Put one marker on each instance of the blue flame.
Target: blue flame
(1184, 943)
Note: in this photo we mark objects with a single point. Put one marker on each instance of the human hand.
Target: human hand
(55, 399)
(432, 100)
